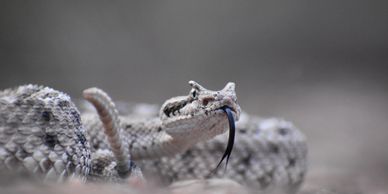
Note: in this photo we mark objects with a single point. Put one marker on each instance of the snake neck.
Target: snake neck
(148, 139)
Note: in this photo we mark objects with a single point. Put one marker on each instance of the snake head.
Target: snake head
(199, 116)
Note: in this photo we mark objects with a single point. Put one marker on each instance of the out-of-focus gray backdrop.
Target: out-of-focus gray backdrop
(320, 64)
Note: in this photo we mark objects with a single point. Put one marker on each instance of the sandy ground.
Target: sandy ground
(329, 184)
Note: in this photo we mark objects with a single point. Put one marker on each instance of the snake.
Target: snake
(43, 135)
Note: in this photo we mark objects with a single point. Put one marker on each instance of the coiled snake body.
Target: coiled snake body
(43, 135)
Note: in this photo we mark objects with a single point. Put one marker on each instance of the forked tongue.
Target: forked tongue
(232, 129)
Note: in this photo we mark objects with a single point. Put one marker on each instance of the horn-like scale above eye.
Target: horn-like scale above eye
(229, 86)
(196, 86)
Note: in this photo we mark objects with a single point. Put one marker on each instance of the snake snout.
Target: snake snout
(234, 108)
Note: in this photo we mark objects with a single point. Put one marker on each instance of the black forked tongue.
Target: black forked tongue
(232, 129)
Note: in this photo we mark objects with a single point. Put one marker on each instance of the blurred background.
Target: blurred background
(321, 64)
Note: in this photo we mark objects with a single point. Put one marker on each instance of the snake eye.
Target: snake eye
(194, 93)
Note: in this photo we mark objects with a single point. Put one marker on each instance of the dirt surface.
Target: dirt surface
(334, 184)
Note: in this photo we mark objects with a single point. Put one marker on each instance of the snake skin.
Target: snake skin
(41, 133)
(269, 154)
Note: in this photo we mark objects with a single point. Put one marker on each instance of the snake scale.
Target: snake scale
(44, 136)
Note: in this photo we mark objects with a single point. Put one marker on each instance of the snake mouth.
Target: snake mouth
(233, 109)
(232, 128)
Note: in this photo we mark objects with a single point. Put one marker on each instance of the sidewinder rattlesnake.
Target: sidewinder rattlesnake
(43, 135)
